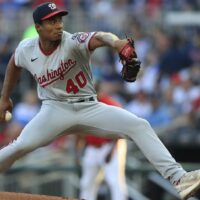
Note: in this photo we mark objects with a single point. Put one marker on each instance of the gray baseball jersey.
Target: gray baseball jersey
(63, 74)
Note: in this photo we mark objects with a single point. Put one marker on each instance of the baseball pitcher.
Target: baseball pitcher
(60, 63)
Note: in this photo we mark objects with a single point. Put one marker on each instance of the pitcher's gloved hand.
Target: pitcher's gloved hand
(131, 64)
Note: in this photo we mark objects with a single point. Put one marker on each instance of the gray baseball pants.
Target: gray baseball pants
(56, 118)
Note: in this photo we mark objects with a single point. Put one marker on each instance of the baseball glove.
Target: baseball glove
(130, 62)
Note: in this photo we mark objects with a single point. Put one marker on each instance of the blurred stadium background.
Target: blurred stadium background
(167, 92)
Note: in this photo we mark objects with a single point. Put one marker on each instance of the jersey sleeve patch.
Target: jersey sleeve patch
(81, 37)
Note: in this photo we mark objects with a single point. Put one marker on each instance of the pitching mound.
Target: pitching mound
(23, 196)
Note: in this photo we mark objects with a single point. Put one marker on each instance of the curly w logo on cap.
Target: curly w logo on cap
(52, 6)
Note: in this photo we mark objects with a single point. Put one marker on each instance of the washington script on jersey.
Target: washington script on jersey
(53, 75)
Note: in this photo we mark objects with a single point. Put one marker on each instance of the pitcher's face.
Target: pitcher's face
(51, 29)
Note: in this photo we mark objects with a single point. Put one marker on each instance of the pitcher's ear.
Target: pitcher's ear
(38, 27)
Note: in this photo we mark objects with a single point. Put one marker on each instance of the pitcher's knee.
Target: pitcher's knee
(146, 123)
(9, 154)
(142, 124)
(24, 147)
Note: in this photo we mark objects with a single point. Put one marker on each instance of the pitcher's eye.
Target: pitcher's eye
(55, 20)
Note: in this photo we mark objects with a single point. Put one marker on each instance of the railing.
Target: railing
(64, 180)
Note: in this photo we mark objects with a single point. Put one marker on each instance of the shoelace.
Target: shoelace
(190, 177)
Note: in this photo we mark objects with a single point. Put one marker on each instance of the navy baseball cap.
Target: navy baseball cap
(47, 10)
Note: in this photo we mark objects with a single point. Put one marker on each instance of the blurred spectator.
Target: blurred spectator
(22, 3)
(166, 98)
(195, 113)
(153, 7)
(140, 105)
(142, 42)
(185, 92)
(111, 159)
(5, 54)
(99, 10)
(195, 74)
(103, 15)
(80, 17)
(59, 3)
(195, 50)
(175, 57)
(160, 116)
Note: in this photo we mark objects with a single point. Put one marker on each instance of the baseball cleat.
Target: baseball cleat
(189, 184)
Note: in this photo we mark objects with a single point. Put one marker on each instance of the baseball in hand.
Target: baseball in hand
(8, 116)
